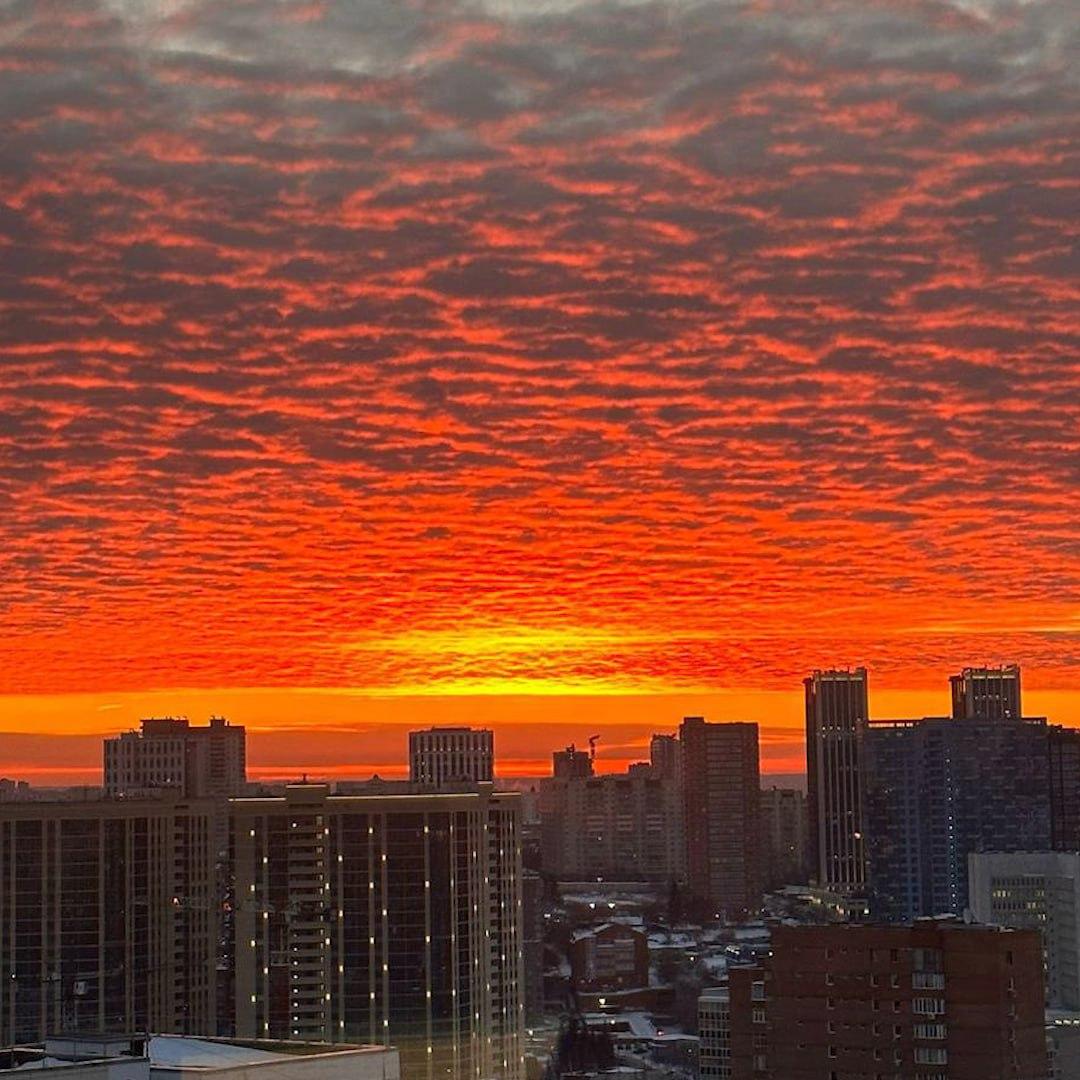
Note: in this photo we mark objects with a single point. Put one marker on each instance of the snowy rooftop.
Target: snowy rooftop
(169, 1052)
(179, 1052)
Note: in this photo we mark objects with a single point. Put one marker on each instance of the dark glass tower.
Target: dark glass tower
(938, 789)
(836, 714)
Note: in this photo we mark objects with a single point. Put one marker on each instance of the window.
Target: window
(931, 1055)
(757, 991)
(759, 1016)
(928, 1006)
(930, 1031)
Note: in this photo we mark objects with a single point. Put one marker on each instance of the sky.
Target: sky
(559, 366)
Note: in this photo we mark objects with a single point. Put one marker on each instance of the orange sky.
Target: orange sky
(56, 739)
(550, 366)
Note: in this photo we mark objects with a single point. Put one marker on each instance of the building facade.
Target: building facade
(937, 1000)
(784, 836)
(1039, 890)
(167, 752)
(388, 919)
(613, 956)
(986, 693)
(714, 1034)
(178, 1057)
(571, 764)
(1064, 783)
(108, 917)
(615, 826)
(532, 943)
(938, 789)
(665, 756)
(722, 813)
(451, 755)
(837, 711)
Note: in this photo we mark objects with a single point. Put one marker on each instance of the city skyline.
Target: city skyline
(382, 746)
(539, 539)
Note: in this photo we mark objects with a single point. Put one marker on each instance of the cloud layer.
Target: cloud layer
(536, 346)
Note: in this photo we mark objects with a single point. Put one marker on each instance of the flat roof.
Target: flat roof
(190, 1052)
(178, 1052)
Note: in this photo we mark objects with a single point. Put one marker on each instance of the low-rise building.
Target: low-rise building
(614, 956)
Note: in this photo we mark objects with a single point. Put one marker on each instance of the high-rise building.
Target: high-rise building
(1039, 890)
(837, 711)
(451, 755)
(201, 762)
(783, 830)
(108, 919)
(722, 815)
(936, 790)
(714, 1034)
(385, 918)
(617, 826)
(532, 943)
(938, 999)
(1064, 781)
(14, 789)
(986, 693)
(571, 763)
(665, 756)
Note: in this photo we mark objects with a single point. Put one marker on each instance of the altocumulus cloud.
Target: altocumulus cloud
(732, 337)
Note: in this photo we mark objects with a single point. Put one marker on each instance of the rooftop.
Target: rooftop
(170, 1052)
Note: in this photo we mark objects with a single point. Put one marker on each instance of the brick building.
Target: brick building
(722, 807)
(614, 956)
(934, 1000)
